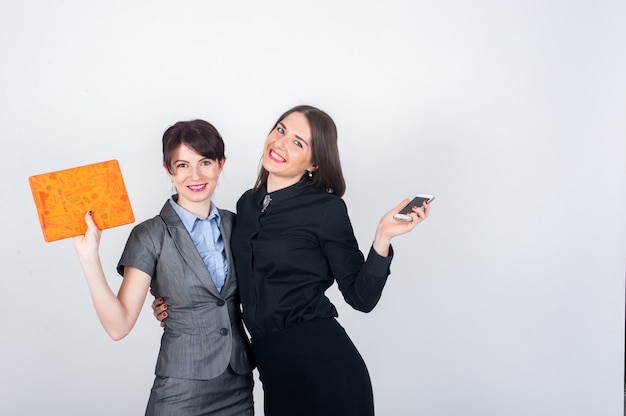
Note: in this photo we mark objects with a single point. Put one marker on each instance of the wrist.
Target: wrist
(381, 245)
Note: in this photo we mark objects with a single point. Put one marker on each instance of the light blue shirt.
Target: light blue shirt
(207, 238)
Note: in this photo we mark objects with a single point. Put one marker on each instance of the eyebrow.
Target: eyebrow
(187, 161)
(280, 123)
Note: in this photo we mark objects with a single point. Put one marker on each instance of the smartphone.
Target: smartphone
(418, 201)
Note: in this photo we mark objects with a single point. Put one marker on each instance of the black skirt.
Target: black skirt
(313, 369)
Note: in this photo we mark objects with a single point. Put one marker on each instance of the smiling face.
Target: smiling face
(288, 152)
(195, 178)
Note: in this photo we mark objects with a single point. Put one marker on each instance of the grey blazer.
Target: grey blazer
(203, 332)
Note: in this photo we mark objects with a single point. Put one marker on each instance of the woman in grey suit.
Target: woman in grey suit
(183, 254)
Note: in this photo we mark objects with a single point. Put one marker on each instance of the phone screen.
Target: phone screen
(418, 201)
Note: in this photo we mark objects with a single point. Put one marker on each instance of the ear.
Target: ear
(312, 168)
(222, 163)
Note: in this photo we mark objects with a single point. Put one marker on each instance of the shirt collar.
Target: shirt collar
(285, 193)
(188, 218)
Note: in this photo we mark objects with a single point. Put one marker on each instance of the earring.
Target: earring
(310, 174)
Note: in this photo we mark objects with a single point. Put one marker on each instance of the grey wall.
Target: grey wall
(509, 300)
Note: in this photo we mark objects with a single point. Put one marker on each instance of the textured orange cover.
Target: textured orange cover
(63, 198)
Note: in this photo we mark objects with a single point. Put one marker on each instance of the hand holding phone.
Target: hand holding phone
(418, 201)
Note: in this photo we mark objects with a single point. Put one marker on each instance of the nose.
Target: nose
(280, 142)
(195, 171)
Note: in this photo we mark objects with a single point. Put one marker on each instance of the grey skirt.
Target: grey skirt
(229, 394)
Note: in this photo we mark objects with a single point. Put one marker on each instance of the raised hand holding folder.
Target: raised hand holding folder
(63, 197)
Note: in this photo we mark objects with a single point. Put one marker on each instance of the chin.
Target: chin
(201, 197)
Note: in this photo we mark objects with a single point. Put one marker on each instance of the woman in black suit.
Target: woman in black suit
(292, 240)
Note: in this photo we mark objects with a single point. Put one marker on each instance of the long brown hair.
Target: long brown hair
(324, 152)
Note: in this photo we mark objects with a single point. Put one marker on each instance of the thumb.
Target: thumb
(89, 220)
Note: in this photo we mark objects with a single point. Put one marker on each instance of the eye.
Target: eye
(280, 130)
(181, 165)
(298, 143)
(206, 162)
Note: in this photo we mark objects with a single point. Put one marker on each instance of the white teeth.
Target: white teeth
(277, 156)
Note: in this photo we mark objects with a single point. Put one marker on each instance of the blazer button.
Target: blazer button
(224, 331)
(221, 302)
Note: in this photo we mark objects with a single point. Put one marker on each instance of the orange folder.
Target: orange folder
(63, 198)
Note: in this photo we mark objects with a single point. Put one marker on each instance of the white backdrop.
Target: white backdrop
(508, 301)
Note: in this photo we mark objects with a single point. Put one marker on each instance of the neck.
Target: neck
(276, 184)
(201, 209)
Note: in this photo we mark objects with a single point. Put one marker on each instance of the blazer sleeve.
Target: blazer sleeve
(141, 250)
(361, 281)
